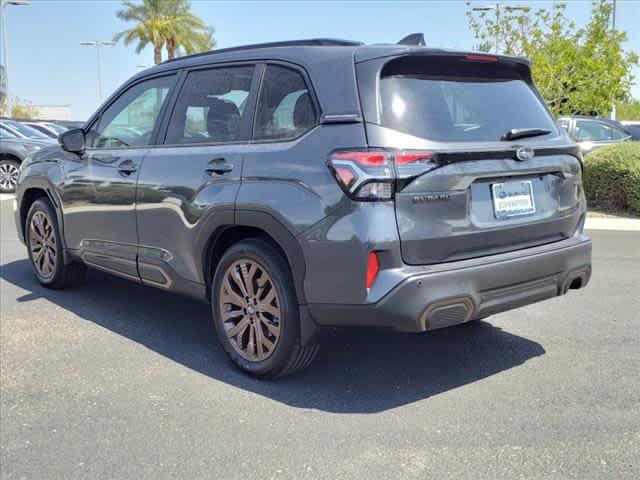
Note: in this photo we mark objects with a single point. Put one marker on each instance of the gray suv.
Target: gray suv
(307, 184)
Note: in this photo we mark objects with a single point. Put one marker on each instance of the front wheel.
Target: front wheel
(255, 311)
(45, 248)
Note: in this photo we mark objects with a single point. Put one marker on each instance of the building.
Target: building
(53, 112)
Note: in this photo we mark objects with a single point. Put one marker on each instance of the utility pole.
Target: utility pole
(497, 7)
(613, 106)
(5, 49)
(98, 44)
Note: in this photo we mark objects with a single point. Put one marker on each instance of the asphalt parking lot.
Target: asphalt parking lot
(115, 380)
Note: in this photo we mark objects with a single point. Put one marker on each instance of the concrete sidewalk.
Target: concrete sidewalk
(605, 221)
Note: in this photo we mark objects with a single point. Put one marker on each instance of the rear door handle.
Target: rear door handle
(127, 167)
(218, 166)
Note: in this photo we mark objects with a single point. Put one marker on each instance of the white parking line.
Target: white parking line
(6, 196)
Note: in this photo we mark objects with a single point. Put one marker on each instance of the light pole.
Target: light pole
(497, 8)
(5, 49)
(99, 44)
(613, 106)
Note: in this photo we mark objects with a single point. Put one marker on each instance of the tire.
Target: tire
(8, 175)
(274, 316)
(42, 234)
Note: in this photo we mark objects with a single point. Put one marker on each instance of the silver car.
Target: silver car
(591, 133)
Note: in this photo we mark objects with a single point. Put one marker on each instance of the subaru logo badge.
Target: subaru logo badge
(524, 153)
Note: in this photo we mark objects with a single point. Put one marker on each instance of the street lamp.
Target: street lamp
(5, 49)
(98, 44)
(496, 8)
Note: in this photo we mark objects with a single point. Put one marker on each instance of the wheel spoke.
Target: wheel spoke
(248, 272)
(273, 329)
(229, 295)
(239, 329)
(267, 308)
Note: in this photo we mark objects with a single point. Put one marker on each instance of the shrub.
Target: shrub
(612, 177)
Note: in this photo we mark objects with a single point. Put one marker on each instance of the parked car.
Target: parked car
(50, 129)
(13, 151)
(22, 131)
(304, 184)
(593, 132)
(633, 127)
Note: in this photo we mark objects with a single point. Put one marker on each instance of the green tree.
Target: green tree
(20, 108)
(577, 70)
(628, 110)
(164, 23)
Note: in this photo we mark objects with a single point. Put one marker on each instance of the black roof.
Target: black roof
(310, 42)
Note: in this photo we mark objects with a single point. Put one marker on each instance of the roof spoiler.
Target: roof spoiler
(413, 40)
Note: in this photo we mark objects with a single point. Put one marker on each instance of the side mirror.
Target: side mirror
(73, 140)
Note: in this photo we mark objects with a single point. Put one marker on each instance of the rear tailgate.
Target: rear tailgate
(477, 196)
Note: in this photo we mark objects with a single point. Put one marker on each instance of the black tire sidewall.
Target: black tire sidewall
(277, 267)
(45, 206)
(13, 162)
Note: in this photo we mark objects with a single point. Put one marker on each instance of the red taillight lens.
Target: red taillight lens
(406, 158)
(373, 267)
(365, 175)
(370, 175)
(366, 159)
(481, 58)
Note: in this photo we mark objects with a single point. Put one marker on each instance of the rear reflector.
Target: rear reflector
(373, 267)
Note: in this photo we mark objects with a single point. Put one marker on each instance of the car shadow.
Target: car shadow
(356, 371)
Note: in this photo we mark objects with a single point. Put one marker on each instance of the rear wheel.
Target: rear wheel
(45, 248)
(255, 311)
(9, 170)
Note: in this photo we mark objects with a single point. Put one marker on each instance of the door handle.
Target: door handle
(127, 167)
(218, 166)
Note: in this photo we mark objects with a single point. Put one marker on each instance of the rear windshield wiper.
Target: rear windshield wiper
(515, 133)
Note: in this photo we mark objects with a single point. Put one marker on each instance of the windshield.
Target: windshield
(25, 130)
(4, 133)
(459, 106)
(57, 128)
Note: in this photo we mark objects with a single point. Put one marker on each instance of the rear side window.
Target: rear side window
(211, 106)
(285, 107)
(452, 100)
(588, 130)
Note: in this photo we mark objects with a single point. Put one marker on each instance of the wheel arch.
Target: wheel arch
(31, 189)
(255, 224)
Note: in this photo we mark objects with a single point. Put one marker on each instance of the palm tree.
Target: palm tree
(186, 32)
(163, 23)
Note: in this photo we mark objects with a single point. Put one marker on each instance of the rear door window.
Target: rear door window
(455, 101)
(590, 131)
(211, 107)
(285, 108)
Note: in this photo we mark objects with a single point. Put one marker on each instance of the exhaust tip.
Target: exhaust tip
(447, 312)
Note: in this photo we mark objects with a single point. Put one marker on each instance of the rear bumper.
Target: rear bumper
(468, 290)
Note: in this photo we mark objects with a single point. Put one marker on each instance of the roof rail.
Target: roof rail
(311, 42)
(413, 40)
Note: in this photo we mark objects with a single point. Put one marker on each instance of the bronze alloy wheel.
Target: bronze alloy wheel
(250, 310)
(42, 244)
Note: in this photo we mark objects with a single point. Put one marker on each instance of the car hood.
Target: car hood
(30, 141)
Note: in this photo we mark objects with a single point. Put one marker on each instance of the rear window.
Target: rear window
(454, 100)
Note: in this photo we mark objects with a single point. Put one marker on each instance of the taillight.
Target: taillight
(371, 175)
(481, 58)
(373, 267)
